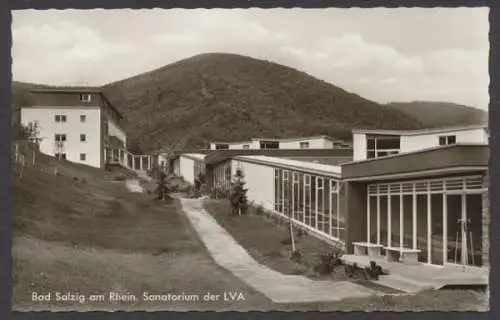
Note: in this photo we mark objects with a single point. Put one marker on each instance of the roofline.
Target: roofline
(297, 168)
(419, 173)
(416, 152)
(419, 131)
(279, 139)
(69, 89)
(79, 90)
(192, 156)
(296, 138)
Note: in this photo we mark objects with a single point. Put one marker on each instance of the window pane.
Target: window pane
(422, 227)
(395, 210)
(300, 215)
(370, 143)
(312, 221)
(442, 141)
(334, 216)
(383, 220)
(437, 228)
(408, 221)
(452, 139)
(370, 154)
(373, 218)
(307, 208)
(326, 205)
(388, 143)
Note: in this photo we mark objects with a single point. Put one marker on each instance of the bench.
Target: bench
(407, 255)
(372, 250)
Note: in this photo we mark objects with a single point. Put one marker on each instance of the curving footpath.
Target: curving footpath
(277, 287)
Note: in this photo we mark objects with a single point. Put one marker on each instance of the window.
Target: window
(83, 118)
(85, 97)
(246, 146)
(60, 118)
(269, 144)
(60, 156)
(447, 140)
(304, 145)
(83, 137)
(60, 137)
(380, 146)
(220, 146)
(83, 156)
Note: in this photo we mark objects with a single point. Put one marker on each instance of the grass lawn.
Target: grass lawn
(262, 238)
(84, 232)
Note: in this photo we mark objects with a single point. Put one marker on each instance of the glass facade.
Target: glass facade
(313, 200)
(439, 217)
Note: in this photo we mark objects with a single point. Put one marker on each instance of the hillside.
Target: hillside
(230, 97)
(437, 114)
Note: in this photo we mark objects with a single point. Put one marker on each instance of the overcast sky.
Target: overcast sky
(382, 54)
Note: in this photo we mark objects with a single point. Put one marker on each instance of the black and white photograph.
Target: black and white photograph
(331, 159)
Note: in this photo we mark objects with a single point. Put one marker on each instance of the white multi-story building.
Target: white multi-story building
(316, 142)
(76, 124)
(378, 143)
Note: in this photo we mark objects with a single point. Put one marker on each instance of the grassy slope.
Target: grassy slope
(81, 231)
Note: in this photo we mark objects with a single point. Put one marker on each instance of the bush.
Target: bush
(259, 210)
(120, 178)
(328, 263)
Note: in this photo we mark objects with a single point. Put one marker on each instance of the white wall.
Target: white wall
(359, 146)
(115, 130)
(72, 128)
(318, 143)
(259, 182)
(425, 141)
(187, 169)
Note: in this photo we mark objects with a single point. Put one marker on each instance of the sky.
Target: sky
(385, 55)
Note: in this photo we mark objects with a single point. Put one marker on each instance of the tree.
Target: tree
(31, 132)
(238, 193)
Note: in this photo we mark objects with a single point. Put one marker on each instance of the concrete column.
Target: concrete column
(133, 162)
(486, 219)
(352, 199)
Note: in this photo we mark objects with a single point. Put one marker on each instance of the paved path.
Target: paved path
(278, 287)
(133, 185)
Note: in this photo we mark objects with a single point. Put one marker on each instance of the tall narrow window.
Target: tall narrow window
(83, 137)
(83, 156)
(83, 118)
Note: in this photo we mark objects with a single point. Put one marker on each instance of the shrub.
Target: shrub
(327, 263)
(259, 210)
(238, 196)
